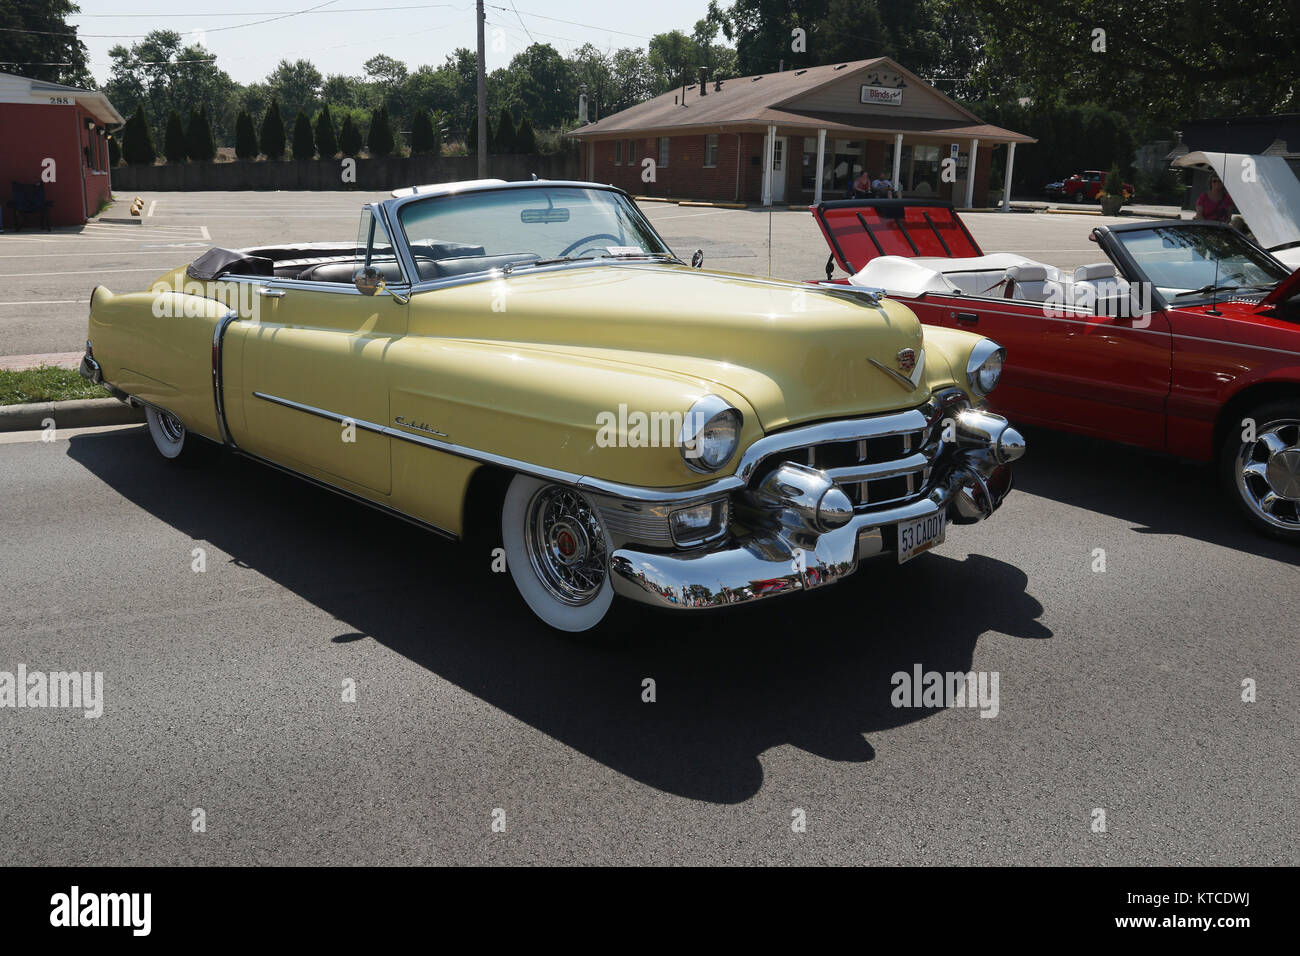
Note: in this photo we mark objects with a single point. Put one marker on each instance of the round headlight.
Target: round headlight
(710, 434)
(985, 366)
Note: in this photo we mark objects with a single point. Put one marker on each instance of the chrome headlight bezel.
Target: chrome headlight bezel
(987, 357)
(709, 412)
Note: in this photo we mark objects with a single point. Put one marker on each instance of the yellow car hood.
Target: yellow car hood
(796, 353)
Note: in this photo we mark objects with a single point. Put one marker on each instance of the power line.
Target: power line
(576, 23)
(136, 36)
(521, 21)
(170, 15)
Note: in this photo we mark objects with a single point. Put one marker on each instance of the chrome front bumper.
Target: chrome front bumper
(783, 559)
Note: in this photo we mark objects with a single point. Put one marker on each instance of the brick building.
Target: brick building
(55, 135)
(797, 137)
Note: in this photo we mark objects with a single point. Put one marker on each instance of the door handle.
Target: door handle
(270, 293)
(967, 318)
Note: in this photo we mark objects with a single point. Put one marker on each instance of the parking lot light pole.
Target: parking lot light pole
(1006, 183)
(482, 99)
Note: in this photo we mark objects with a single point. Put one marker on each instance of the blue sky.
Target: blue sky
(342, 34)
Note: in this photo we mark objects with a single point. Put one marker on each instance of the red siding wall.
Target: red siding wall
(33, 132)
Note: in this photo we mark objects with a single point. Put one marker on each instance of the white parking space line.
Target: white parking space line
(152, 206)
(204, 231)
(73, 272)
(79, 255)
(49, 302)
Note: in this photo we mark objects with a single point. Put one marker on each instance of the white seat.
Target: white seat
(1027, 282)
(1093, 271)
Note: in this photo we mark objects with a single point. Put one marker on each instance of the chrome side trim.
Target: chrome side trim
(218, 387)
(322, 413)
(450, 448)
(837, 431)
(281, 283)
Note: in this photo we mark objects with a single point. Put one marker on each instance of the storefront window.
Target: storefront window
(808, 167)
(847, 158)
(924, 180)
(711, 149)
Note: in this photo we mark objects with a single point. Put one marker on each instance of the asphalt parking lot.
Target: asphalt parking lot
(1119, 690)
(46, 278)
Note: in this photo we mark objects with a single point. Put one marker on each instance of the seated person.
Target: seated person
(883, 187)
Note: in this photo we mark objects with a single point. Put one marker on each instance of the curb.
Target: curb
(81, 413)
(712, 205)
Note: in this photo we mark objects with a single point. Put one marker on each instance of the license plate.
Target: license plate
(916, 537)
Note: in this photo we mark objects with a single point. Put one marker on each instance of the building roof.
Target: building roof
(776, 98)
(92, 101)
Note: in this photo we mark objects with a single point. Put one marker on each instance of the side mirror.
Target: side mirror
(368, 280)
(697, 259)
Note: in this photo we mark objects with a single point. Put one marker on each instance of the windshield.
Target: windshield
(499, 228)
(1188, 261)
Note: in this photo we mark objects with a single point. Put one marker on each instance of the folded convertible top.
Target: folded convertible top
(218, 262)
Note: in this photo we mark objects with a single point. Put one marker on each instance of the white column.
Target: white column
(769, 151)
(898, 164)
(970, 172)
(821, 157)
(1006, 185)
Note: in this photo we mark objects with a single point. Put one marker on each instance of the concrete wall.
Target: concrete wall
(317, 174)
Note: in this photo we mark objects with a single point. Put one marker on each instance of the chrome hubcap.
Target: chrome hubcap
(566, 545)
(171, 426)
(1268, 474)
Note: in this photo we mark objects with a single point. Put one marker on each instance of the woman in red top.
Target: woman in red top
(1214, 203)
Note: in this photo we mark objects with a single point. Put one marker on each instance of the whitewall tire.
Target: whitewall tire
(168, 433)
(557, 552)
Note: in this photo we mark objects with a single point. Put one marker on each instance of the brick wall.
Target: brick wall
(685, 176)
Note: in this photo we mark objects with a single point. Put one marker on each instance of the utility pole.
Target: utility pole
(482, 99)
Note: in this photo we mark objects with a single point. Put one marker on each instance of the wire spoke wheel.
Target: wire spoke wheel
(566, 545)
(557, 552)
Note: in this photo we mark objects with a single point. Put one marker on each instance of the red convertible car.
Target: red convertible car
(1186, 339)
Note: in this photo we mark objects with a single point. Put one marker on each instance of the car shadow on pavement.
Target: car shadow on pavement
(813, 671)
(1161, 495)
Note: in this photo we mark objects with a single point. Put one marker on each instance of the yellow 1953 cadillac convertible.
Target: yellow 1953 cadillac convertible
(531, 355)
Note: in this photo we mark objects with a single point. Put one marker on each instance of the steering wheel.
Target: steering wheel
(586, 239)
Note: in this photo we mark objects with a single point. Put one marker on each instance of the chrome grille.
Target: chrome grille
(873, 470)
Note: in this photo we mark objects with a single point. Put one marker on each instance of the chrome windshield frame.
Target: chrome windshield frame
(392, 215)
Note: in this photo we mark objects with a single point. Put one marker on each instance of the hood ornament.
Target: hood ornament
(909, 361)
